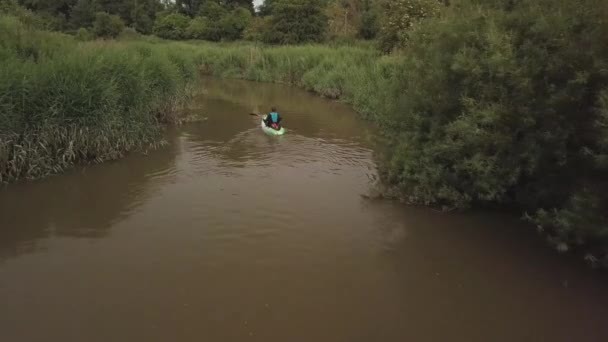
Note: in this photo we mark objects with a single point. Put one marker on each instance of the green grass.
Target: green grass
(64, 102)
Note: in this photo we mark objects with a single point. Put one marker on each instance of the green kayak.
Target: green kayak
(270, 130)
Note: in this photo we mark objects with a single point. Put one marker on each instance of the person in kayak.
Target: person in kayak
(273, 119)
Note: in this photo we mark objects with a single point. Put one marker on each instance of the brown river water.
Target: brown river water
(227, 234)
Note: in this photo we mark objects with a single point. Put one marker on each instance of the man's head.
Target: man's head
(273, 109)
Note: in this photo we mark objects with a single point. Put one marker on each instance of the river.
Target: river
(227, 234)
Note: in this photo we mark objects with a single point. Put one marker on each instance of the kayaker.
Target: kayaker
(273, 119)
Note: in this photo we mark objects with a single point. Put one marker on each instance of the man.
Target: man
(273, 119)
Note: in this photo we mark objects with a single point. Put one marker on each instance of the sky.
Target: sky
(257, 3)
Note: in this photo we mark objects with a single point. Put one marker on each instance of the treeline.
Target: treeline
(275, 22)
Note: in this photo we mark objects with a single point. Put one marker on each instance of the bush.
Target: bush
(52, 22)
(401, 18)
(198, 28)
(213, 11)
(83, 35)
(370, 21)
(255, 31)
(12, 8)
(296, 22)
(505, 103)
(142, 22)
(107, 26)
(129, 33)
(233, 24)
(83, 13)
(172, 26)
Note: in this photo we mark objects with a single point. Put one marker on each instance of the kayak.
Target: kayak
(270, 130)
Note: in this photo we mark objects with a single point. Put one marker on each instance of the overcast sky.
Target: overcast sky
(257, 3)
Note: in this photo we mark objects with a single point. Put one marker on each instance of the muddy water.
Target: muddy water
(230, 235)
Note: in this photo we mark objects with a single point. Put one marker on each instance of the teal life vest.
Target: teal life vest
(274, 117)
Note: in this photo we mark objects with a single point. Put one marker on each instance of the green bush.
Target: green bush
(370, 21)
(107, 26)
(83, 13)
(129, 33)
(255, 31)
(172, 26)
(142, 22)
(213, 11)
(198, 28)
(401, 18)
(505, 104)
(233, 24)
(296, 22)
(12, 8)
(83, 35)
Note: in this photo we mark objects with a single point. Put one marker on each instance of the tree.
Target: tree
(50, 7)
(266, 8)
(107, 25)
(403, 16)
(83, 35)
(172, 26)
(498, 106)
(370, 21)
(247, 4)
(189, 7)
(83, 13)
(213, 13)
(141, 19)
(198, 28)
(257, 28)
(212, 10)
(297, 21)
(342, 19)
(123, 9)
(12, 8)
(233, 24)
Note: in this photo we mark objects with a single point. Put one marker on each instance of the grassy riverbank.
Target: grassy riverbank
(64, 102)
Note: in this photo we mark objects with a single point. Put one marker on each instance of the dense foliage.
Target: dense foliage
(172, 26)
(402, 17)
(296, 21)
(107, 26)
(505, 103)
(64, 102)
(277, 22)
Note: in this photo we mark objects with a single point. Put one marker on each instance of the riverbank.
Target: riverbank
(65, 102)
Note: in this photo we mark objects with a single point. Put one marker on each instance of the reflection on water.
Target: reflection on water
(81, 203)
(232, 235)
